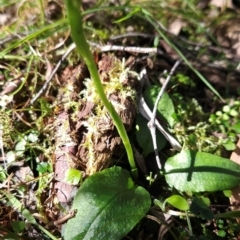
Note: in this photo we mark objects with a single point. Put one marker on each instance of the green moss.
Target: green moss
(193, 129)
(117, 89)
(6, 128)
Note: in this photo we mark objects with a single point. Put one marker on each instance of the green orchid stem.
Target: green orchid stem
(75, 22)
(46, 232)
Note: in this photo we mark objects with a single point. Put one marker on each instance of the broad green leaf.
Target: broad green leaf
(108, 206)
(199, 208)
(144, 138)
(191, 171)
(165, 105)
(178, 202)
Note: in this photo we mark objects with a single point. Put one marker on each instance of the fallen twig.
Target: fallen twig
(153, 123)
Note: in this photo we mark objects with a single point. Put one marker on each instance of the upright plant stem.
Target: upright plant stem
(75, 21)
(42, 11)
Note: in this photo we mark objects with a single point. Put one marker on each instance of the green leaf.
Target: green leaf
(43, 167)
(191, 171)
(108, 206)
(144, 138)
(165, 105)
(11, 157)
(29, 216)
(18, 226)
(33, 137)
(227, 193)
(20, 147)
(156, 41)
(158, 203)
(229, 145)
(221, 233)
(236, 127)
(129, 15)
(73, 176)
(15, 203)
(206, 200)
(2, 174)
(232, 214)
(10, 236)
(178, 202)
(199, 207)
(45, 106)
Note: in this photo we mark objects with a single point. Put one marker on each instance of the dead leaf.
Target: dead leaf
(228, 34)
(176, 26)
(169, 50)
(4, 18)
(11, 86)
(223, 4)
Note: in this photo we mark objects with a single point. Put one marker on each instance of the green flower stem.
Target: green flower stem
(75, 22)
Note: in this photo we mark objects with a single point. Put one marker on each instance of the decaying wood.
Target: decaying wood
(65, 147)
(101, 139)
(65, 141)
(86, 138)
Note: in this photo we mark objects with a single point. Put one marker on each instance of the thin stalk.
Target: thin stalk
(189, 224)
(46, 232)
(75, 22)
(25, 78)
(42, 12)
